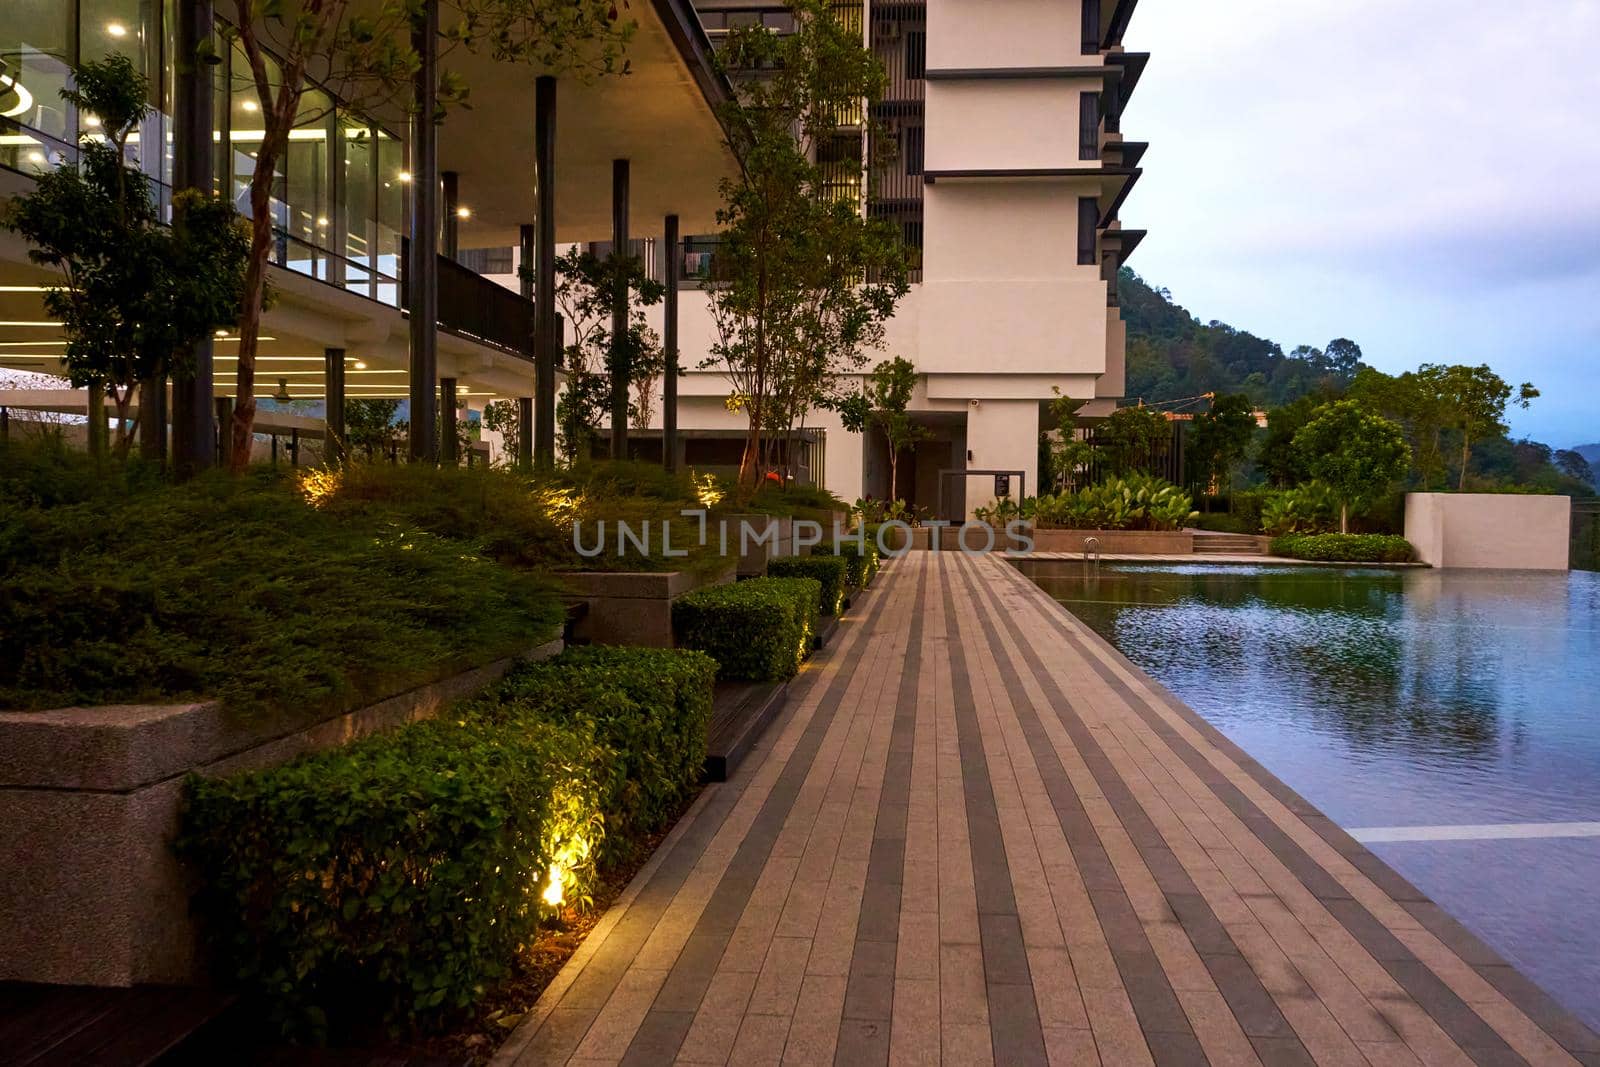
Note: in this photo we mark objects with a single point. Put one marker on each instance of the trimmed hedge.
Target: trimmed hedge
(860, 566)
(395, 876)
(650, 706)
(757, 631)
(830, 572)
(1345, 548)
(400, 875)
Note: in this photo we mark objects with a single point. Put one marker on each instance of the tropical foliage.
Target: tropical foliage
(1357, 454)
(1136, 502)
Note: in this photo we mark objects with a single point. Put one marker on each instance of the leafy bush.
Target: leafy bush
(1306, 509)
(1222, 522)
(1345, 548)
(236, 589)
(861, 565)
(831, 573)
(1136, 502)
(651, 707)
(397, 875)
(757, 631)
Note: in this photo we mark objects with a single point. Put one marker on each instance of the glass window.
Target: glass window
(358, 203)
(307, 220)
(36, 50)
(126, 27)
(393, 179)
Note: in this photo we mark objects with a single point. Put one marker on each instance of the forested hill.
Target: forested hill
(1172, 355)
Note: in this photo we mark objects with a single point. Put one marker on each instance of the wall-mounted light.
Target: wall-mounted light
(405, 175)
(116, 29)
(322, 221)
(249, 105)
(463, 212)
(91, 121)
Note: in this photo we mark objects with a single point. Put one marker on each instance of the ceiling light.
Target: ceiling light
(322, 220)
(249, 105)
(282, 395)
(35, 157)
(405, 175)
(91, 121)
(116, 29)
(463, 213)
(28, 322)
(24, 98)
(361, 364)
(221, 333)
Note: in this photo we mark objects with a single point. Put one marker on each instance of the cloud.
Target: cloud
(1409, 174)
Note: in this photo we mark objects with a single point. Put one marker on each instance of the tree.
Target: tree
(803, 283)
(1129, 438)
(504, 418)
(361, 54)
(883, 402)
(369, 424)
(135, 295)
(1475, 400)
(597, 369)
(1281, 461)
(1574, 466)
(1068, 453)
(1356, 453)
(1220, 439)
(1416, 400)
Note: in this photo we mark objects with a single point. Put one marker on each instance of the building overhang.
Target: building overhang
(1102, 72)
(1132, 65)
(1123, 242)
(662, 116)
(1116, 182)
(1116, 14)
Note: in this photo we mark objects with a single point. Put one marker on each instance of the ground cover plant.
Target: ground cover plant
(760, 630)
(117, 587)
(1345, 548)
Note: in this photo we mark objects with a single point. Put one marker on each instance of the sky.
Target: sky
(1421, 176)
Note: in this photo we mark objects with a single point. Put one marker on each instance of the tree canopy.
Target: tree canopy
(1355, 452)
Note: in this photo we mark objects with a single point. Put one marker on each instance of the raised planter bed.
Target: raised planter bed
(1119, 542)
(635, 607)
(89, 807)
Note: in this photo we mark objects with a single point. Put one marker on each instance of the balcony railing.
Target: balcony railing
(472, 306)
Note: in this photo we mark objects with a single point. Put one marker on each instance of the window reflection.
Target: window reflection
(36, 125)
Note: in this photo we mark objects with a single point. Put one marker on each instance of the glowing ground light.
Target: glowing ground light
(319, 486)
(554, 895)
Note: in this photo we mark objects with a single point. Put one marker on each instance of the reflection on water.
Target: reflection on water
(1398, 698)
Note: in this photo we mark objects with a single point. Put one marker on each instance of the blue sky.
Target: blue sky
(1422, 176)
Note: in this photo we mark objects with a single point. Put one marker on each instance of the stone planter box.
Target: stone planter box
(1117, 542)
(89, 807)
(635, 607)
(777, 540)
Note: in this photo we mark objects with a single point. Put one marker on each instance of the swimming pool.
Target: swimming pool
(1450, 719)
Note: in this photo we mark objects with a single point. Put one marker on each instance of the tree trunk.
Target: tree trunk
(750, 462)
(255, 287)
(894, 472)
(1466, 457)
(1344, 517)
(97, 420)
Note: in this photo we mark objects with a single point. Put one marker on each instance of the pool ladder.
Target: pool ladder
(1091, 551)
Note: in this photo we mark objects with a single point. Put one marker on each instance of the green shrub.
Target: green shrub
(237, 589)
(1345, 548)
(861, 565)
(1306, 509)
(1222, 522)
(1136, 502)
(831, 573)
(397, 875)
(757, 631)
(651, 707)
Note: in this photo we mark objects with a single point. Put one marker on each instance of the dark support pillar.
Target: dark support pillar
(450, 238)
(544, 290)
(422, 265)
(527, 235)
(449, 454)
(620, 370)
(194, 167)
(222, 440)
(333, 442)
(525, 432)
(294, 448)
(153, 419)
(669, 347)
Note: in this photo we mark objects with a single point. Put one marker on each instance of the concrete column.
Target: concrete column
(450, 238)
(422, 263)
(1002, 435)
(525, 432)
(547, 343)
(194, 166)
(333, 437)
(669, 344)
(449, 453)
(620, 365)
(527, 235)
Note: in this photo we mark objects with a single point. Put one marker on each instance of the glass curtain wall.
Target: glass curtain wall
(338, 194)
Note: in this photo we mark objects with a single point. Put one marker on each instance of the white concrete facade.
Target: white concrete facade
(1010, 306)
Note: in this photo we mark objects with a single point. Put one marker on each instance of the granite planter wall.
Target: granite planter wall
(1119, 542)
(89, 807)
(635, 607)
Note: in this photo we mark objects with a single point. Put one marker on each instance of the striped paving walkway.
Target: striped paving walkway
(981, 835)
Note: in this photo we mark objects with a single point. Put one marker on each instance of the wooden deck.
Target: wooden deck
(44, 1026)
(978, 834)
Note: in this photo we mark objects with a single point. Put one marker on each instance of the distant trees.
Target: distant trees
(1129, 437)
(1356, 453)
(1475, 401)
(1573, 465)
(883, 403)
(1068, 454)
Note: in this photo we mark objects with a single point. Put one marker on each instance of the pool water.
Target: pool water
(1423, 705)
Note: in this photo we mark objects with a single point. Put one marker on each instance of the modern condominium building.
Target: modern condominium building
(1007, 180)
